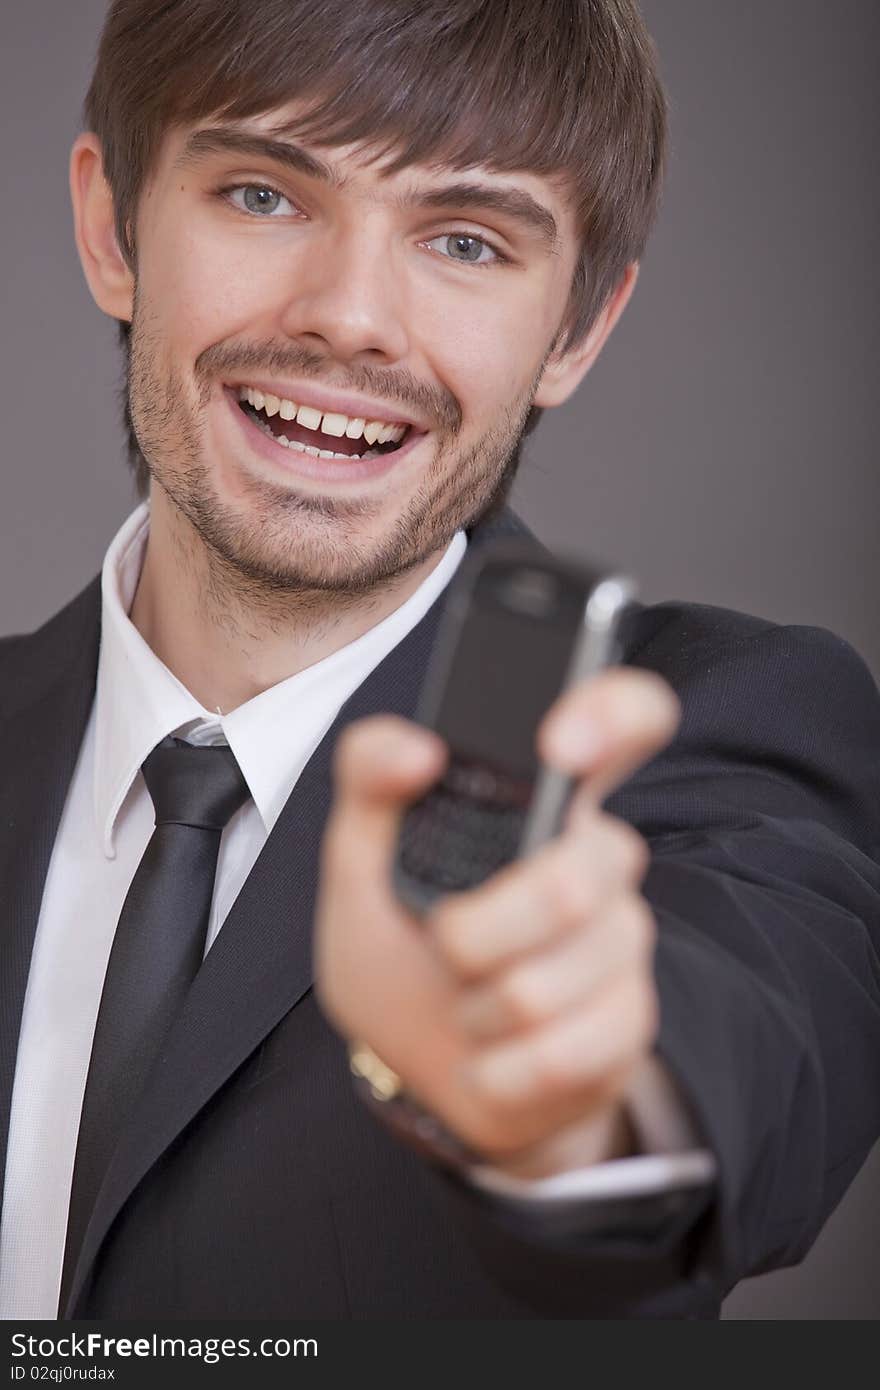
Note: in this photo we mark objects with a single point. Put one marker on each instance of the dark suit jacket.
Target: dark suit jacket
(252, 1182)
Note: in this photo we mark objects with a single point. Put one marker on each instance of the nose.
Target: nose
(347, 299)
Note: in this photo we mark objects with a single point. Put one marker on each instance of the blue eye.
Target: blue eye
(466, 249)
(259, 199)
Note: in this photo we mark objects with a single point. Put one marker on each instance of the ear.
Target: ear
(565, 371)
(109, 277)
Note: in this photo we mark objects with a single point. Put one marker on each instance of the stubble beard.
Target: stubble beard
(296, 545)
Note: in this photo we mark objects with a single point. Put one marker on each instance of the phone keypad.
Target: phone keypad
(465, 828)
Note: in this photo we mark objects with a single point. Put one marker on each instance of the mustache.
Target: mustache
(400, 387)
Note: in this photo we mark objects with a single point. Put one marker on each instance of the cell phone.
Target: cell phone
(517, 629)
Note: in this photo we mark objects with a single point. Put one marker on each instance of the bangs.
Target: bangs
(419, 83)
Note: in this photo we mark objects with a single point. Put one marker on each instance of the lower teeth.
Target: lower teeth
(310, 448)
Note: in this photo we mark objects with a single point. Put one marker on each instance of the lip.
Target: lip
(329, 403)
(299, 465)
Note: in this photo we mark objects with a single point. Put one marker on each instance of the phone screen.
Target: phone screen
(504, 666)
(512, 656)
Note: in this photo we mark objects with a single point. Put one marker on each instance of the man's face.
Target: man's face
(372, 298)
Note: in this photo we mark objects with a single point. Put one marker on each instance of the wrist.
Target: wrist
(602, 1138)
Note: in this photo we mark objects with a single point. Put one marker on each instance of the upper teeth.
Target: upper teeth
(373, 431)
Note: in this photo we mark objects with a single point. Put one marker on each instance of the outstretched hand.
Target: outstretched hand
(518, 1011)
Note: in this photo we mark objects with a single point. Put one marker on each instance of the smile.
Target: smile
(309, 431)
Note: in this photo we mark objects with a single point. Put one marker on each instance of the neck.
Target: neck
(225, 642)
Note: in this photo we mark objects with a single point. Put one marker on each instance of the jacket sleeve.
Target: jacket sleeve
(763, 816)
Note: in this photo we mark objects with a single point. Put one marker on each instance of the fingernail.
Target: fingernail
(576, 742)
(422, 751)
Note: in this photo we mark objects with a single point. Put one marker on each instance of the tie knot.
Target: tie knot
(201, 787)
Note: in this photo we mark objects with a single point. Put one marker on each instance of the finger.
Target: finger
(566, 1058)
(534, 901)
(380, 765)
(603, 728)
(550, 983)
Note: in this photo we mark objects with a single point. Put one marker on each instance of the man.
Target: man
(618, 1076)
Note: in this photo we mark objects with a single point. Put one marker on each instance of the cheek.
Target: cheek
(485, 348)
(203, 291)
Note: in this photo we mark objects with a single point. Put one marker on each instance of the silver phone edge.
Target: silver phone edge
(594, 649)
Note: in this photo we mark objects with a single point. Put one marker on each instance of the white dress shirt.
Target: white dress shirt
(104, 829)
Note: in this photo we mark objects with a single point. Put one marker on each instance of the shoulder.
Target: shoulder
(695, 644)
(675, 628)
(766, 705)
(30, 662)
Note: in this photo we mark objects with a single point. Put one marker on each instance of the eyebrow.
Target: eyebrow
(201, 144)
(513, 203)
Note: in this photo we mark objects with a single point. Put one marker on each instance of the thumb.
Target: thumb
(380, 765)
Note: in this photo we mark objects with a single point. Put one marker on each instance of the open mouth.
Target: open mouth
(328, 435)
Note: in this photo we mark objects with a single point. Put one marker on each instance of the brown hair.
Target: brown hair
(562, 88)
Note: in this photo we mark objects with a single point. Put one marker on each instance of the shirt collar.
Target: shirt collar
(139, 700)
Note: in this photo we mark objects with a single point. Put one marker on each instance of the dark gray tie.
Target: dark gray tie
(156, 953)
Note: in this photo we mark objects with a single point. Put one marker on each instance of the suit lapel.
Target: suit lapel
(42, 722)
(260, 964)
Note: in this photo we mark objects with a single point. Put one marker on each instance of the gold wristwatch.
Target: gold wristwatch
(383, 1092)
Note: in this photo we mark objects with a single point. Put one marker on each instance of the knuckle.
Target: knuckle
(666, 704)
(639, 922)
(673, 708)
(631, 847)
(451, 927)
(567, 888)
(522, 997)
(638, 1011)
(648, 1012)
(555, 1069)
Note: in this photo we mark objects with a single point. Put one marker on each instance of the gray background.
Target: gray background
(721, 447)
